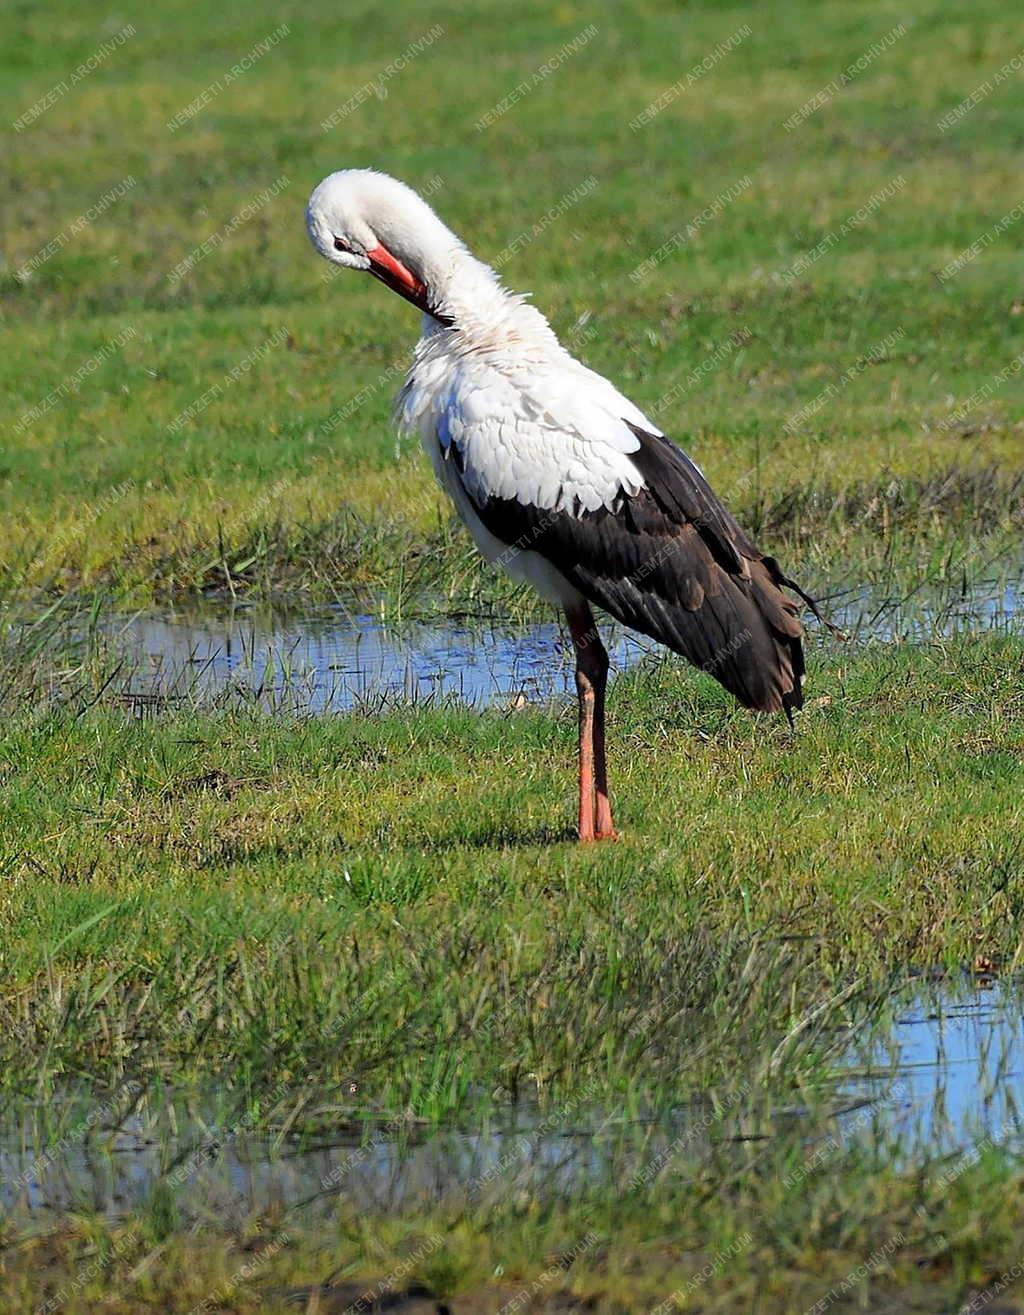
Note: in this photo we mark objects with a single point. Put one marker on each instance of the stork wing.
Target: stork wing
(665, 557)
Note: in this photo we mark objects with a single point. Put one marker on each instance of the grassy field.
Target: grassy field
(828, 253)
(153, 866)
(269, 907)
(368, 922)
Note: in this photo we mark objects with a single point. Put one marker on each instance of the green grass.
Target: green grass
(217, 904)
(262, 908)
(99, 490)
(274, 818)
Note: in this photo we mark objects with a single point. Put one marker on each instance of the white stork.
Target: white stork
(561, 479)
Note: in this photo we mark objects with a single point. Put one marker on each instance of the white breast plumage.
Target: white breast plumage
(547, 434)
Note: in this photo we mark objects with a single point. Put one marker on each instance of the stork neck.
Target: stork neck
(465, 290)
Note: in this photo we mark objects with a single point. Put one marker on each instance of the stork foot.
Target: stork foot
(595, 836)
(600, 829)
(603, 808)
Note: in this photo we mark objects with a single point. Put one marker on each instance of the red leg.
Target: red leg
(595, 812)
(586, 811)
(605, 828)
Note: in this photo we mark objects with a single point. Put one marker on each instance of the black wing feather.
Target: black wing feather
(672, 563)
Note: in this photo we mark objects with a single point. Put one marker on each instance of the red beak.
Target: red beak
(394, 275)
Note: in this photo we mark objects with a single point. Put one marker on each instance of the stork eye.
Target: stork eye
(342, 246)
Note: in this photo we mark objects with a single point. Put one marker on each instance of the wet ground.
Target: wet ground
(942, 1077)
(335, 660)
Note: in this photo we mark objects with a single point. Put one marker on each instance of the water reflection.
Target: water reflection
(941, 1080)
(329, 660)
(947, 1076)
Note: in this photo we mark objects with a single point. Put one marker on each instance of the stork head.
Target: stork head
(366, 220)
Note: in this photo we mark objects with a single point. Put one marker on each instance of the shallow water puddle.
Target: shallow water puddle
(330, 660)
(941, 1081)
(930, 611)
(229, 1171)
(948, 1075)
